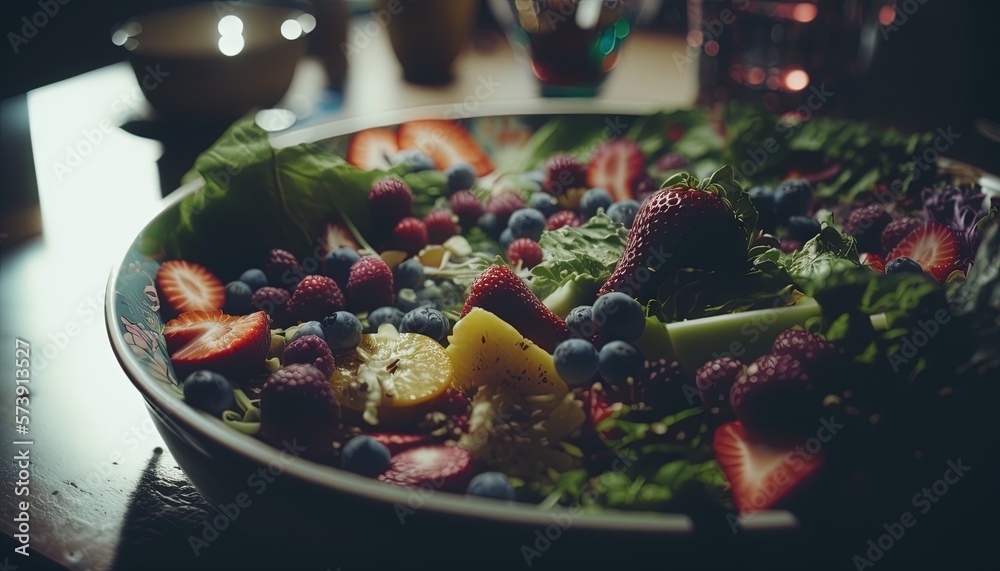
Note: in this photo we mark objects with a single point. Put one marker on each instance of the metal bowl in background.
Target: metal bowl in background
(214, 61)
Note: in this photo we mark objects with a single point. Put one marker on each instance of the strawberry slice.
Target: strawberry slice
(227, 344)
(873, 261)
(443, 467)
(446, 143)
(187, 286)
(397, 443)
(372, 149)
(499, 291)
(934, 246)
(762, 473)
(617, 166)
(335, 234)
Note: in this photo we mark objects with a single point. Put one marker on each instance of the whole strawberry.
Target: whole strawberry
(499, 291)
(297, 407)
(804, 346)
(314, 298)
(705, 225)
(369, 285)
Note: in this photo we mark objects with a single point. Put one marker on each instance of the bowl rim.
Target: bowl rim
(203, 426)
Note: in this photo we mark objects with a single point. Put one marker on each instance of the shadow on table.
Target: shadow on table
(166, 516)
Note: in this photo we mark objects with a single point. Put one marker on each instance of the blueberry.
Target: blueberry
(593, 200)
(337, 265)
(414, 159)
(309, 328)
(426, 321)
(802, 228)
(409, 274)
(762, 198)
(254, 278)
(581, 322)
(388, 314)
(238, 296)
(527, 223)
(491, 485)
(506, 239)
(792, 197)
(208, 391)
(576, 361)
(461, 176)
(365, 456)
(620, 317)
(544, 203)
(407, 300)
(619, 361)
(902, 265)
(342, 330)
(623, 212)
(491, 225)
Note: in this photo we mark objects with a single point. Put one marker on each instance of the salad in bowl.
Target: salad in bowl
(714, 314)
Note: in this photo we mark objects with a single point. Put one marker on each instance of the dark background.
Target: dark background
(940, 68)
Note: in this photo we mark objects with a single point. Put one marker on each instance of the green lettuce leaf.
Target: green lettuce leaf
(580, 258)
(285, 193)
(827, 253)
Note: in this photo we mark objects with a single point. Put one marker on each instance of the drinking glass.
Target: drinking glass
(572, 45)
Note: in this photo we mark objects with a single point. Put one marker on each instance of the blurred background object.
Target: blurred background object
(772, 52)
(571, 45)
(426, 35)
(221, 61)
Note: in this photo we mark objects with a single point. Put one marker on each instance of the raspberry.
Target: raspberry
(282, 268)
(440, 226)
(773, 392)
(563, 172)
(297, 404)
(896, 230)
(526, 251)
(561, 219)
(866, 225)
(504, 204)
(315, 297)
(802, 345)
(715, 379)
(272, 301)
(309, 350)
(662, 384)
(409, 235)
(369, 285)
(389, 201)
(467, 207)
